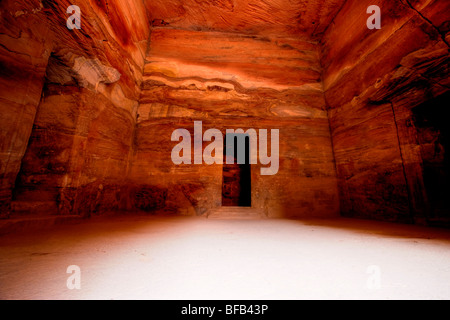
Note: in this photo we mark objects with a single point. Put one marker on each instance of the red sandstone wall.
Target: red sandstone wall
(23, 61)
(80, 89)
(77, 157)
(372, 80)
(231, 81)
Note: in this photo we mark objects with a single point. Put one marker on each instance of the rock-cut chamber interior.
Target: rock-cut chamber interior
(132, 108)
(224, 149)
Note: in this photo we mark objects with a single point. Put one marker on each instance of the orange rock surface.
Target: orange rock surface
(87, 115)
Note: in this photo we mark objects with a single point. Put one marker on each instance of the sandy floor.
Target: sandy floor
(194, 258)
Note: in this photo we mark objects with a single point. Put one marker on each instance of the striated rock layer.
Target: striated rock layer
(254, 82)
(261, 17)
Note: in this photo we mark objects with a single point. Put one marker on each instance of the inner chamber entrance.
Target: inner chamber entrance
(236, 186)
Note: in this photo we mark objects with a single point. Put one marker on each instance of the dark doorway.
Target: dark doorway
(433, 135)
(236, 187)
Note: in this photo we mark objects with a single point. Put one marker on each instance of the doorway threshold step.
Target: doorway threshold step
(238, 213)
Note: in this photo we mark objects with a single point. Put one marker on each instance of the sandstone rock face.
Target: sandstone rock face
(372, 81)
(23, 61)
(263, 17)
(255, 82)
(87, 115)
(78, 90)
